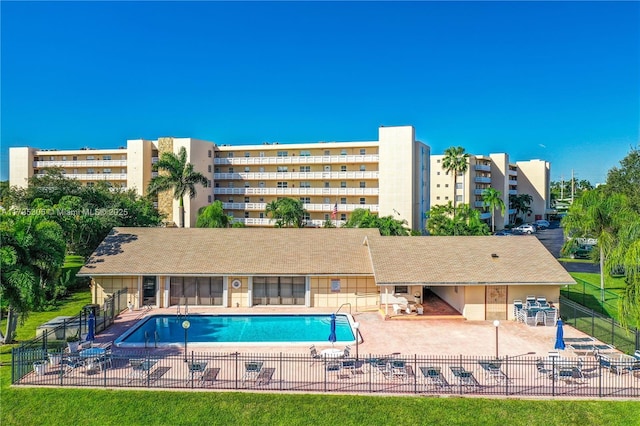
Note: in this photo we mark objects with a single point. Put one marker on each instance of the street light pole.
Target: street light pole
(186, 324)
(496, 324)
(356, 326)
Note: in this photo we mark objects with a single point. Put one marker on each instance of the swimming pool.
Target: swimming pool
(237, 329)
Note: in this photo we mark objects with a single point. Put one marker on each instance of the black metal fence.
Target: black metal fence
(54, 334)
(602, 328)
(589, 295)
(518, 376)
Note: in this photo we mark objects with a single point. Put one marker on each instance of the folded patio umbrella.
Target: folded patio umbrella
(559, 336)
(332, 335)
(91, 327)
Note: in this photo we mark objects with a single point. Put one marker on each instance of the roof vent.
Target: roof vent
(494, 255)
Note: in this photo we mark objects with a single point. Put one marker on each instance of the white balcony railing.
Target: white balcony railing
(327, 208)
(297, 175)
(85, 163)
(251, 221)
(316, 159)
(97, 176)
(296, 191)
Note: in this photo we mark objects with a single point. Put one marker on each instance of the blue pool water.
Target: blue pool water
(168, 330)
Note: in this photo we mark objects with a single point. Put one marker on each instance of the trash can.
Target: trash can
(94, 307)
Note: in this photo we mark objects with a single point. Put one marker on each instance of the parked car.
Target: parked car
(581, 252)
(503, 233)
(542, 224)
(525, 228)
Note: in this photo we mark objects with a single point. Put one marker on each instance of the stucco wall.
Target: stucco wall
(449, 295)
(103, 287)
(361, 292)
(474, 308)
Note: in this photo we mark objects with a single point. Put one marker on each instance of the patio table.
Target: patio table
(332, 353)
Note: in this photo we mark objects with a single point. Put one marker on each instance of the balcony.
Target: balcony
(482, 167)
(512, 172)
(329, 192)
(482, 179)
(327, 208)
(95, 176)
(513, 192)
(317, 159)
(297, 175)
(479, 204)
(484, 216)
(84, 163)
(251, 221)
(513, 182)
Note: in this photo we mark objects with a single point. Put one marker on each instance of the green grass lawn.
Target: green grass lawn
(589, 295)
(70, 406)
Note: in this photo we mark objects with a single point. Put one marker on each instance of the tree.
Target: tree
(441, 221)
(287, 212)
(455, 161)
(521, 204)
(213, 216)
(493, 199)
(179, 176)
(387, 225)
(625, 256)
(599, 215)
(626, 179)
(32, 251)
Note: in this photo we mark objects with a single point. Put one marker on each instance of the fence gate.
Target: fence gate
(496, 302)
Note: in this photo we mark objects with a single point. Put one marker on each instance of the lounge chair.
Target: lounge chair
(531, 302)
(70, 364)
(397, 310)
(492, 370)
(349, 365)
(209, 376)
(636, 355)
(540, 317)
(433, 377)
(398, 369)
(347, 352)
(264, 377)
(517, 307)
(542, 302)
(141, 368)
(570, 375)
(196, 369)
(543, 371)
(550, 317)
(465, 378)
(251, 371)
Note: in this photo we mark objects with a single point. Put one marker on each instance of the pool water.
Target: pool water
(168, 330)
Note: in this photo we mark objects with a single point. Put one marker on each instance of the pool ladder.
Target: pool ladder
(342, 306)
(156, 337)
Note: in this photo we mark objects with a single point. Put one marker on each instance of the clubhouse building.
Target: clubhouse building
(479, 276)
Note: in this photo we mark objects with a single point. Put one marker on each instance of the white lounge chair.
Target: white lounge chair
(397, 310)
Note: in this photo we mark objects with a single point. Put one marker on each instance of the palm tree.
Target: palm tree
(213, 216)
(520, 203)
(598, 215)
(287, 212)
(493, 199)
(180, 177)
(455, 161)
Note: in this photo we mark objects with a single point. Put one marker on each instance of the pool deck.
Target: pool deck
(380, 336)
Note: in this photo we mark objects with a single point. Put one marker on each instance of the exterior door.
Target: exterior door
(149, 290)
(496, 302)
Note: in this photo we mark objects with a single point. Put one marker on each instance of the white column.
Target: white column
(250, 291)
(225, 292)
(307, 291)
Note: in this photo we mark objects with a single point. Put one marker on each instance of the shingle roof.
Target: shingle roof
(464, 260)
(271, 251)
(234, 251)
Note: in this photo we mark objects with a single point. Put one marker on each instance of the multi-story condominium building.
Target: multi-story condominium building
(494, 171)
(389, 176)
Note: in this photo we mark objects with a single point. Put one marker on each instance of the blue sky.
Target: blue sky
(547, 80)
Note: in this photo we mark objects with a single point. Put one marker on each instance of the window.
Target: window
(327, 168)
(261, 199)
(326, 216)
(363, 201)
(305, 184)
(363, 151)
(282, 169)
(327, 152)
(283, 184)
(446, 198)
(261, 169)
(261, 154)
(261, 184)
(230, 169)
(246, 215)
(75, 158)
(326, 185)
(343, 201)
(107, 171)
(230, 184)
(343, 152)
(209, 153)
(261, 215)
(208, 183)
(230, 200)
(246, 199)
(437, 161)
(283, 153)
(343, 216)
(458, 198)
(437, 197)
(230, 155)
(363, 184)
(458, 185)
(247, 169)
(305, 169)
(247, 154)
(104, 157)
(401, 289)
(343, 168)
(90, 171)
(64, 158)
(209, 168)
(89, 157)
(217, 169)
(75, 171)
(437, 185)
(327, 200)
(305, 200)
(217, 184)
(343, 184)
(446, 185)
(89, 184)
(363, 167)
(247, 184)
(305, 153)
(217, 155)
